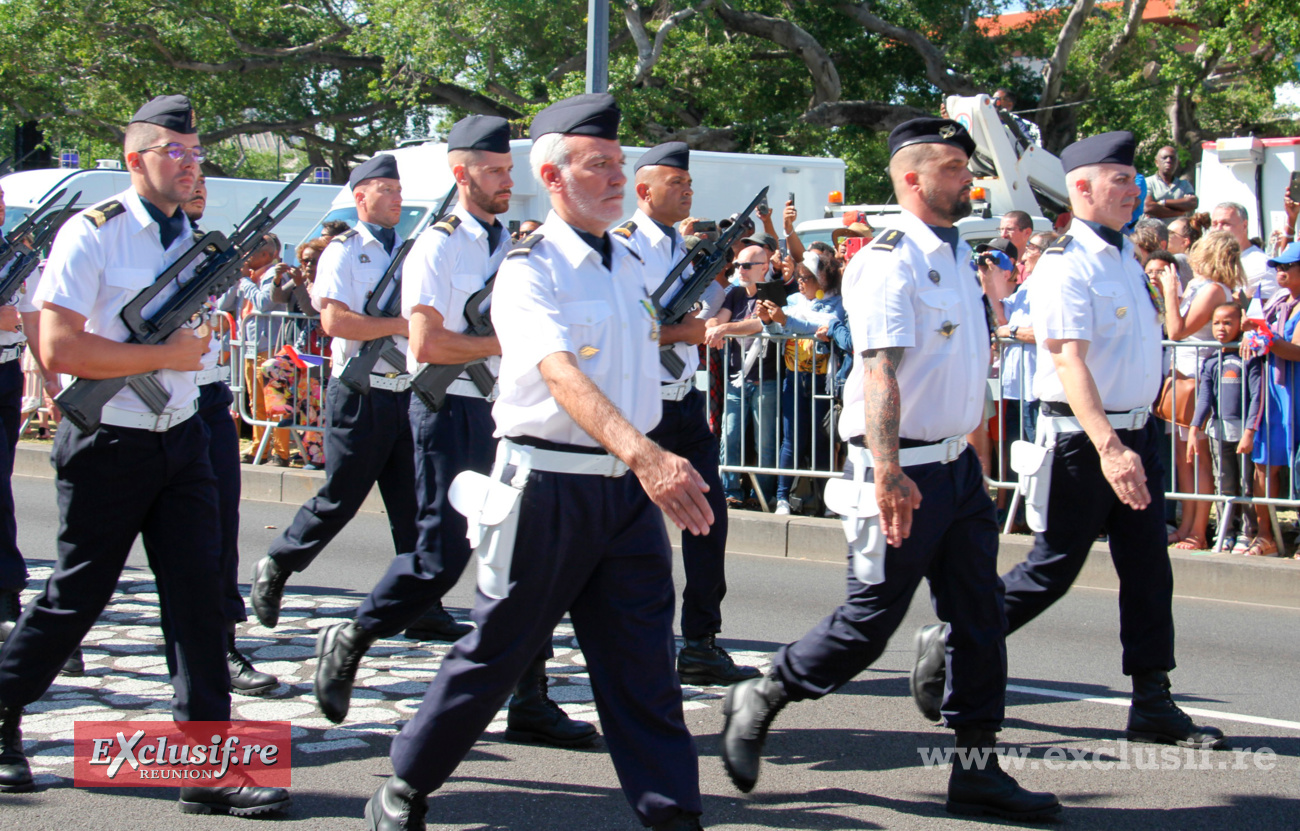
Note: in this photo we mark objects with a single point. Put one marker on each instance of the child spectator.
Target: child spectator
(1219, 397)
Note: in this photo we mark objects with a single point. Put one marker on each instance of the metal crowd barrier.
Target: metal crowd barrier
(257, 337)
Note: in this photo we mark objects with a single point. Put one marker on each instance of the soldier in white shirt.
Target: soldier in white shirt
(663, 190)
(1097, 323)
(139, 473)
(448, 266)
(913, 491)
(579, 389)
(367, 435)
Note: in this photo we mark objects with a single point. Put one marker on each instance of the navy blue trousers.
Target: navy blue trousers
(594, 547)
(954, 545)
(223, 454)
(113, 485)
(367, 440)
(455, 439)
(13, 570)
(1082, 505)
(684, 430)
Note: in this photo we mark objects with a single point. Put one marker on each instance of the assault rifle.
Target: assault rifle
(216, 260)
(41, 228)
(356, 372)
(431, 381)
(708, 258)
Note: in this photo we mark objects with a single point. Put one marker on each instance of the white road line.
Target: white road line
(1124, 702)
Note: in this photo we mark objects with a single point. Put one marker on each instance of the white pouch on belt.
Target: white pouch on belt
(855, 500)
(492, 509)
(1033, 463)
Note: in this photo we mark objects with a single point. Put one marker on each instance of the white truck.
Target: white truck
(229, 200)
(1011, 174)
(723, 183)
(1252, 172)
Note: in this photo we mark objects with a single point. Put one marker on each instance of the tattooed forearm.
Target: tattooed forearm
(880, 385)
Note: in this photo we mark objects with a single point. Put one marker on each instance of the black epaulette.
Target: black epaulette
(1059, 246)
(626, 230)
(448, 225)
(888, 241)
(525, 246)
(345, 236)
(104, 211)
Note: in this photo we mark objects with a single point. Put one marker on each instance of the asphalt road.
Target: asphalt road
(849, 761)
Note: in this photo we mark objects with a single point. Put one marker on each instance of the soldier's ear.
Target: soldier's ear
(133, 160)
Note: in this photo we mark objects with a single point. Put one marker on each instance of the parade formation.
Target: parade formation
(554, 484)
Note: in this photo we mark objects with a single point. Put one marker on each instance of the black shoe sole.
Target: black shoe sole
(256, 692)
(531, 737)
(972, 809)
(709, 680)
(433, 635)
(1220, 743)
(20, 787)
(251, 811)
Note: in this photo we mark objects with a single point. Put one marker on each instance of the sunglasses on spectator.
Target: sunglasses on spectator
(750, 265)
(177, 151)
(1029, 246)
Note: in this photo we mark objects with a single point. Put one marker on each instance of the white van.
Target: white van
(724, 184)
(229, 200)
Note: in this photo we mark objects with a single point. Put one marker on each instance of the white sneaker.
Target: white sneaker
(782, 508)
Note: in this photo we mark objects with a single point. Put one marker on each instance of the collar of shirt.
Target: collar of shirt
(1093, 242)
(368, 237)
(654, 231)
(1108, 236)
(924, 238)
(475, 227)
(574, 249)
(140, 218)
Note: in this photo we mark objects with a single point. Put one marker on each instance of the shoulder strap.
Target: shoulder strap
(625, 230)
(1060, 245)
(449, 225)
(345, 236)
(104, 211)
(525, 246)
(888, 241)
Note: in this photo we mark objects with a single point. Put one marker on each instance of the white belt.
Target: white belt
(944, 452)
(677, 391)
(211, 376)
(1132, 420)
(469, 389)
(11, 353)
(558, 461)
(148, 421)
(401, 383)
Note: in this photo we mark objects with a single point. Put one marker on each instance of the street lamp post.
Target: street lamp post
(597, 45)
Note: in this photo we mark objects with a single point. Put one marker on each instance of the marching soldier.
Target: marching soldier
(139, 473)
(579, 387)
(367, 435)
(448, 266)
(214, 402)
(663, 191)
(913, 491)
(1097, 320)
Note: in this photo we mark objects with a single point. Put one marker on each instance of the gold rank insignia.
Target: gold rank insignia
(947, 131)
(587, 352)
(1121, 312)
(947, 328)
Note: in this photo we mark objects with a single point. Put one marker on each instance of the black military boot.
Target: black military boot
(978, 786)
(750, 708)
(437, 624)
(930, 673)
(11, 606)
(703, 663)
(267, 591)
(245, 679)
(15, 773)
(533, 717)
(339, 650)
(75, 666)
(396, 806)
(1155, 718)
(681, 822)
(238, 802)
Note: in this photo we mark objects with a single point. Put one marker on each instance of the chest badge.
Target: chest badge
(588, 351)
(1121, 312)
(934, 276)
(365, 258)
(947, 328)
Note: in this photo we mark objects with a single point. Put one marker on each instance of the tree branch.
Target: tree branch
(648, 53)
(825, 78)
(937, 70)
(870, 115)
(1054, 72)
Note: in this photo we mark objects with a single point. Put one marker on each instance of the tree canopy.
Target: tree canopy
(341, 80)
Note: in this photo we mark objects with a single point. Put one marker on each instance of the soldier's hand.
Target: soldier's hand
(186, 349)
(1123, 469)
(9, 318)
(678, 489)
(898, 496)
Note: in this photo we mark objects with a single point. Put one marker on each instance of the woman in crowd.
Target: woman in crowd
(1217, 276)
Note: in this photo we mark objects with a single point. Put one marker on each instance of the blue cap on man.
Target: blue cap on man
(383, 166)
(593, 114)
(480, 132)
(931, 131)
(1118, 147)
(669, 154)
(172, 112)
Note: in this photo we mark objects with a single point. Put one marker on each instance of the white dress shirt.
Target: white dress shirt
(347, 271)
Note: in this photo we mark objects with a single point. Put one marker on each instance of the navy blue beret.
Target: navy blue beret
(383, 166)
(669, 154)
(1108, 148)
(931, 131)
(480, 132)
(593, 114)
(170, 111)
